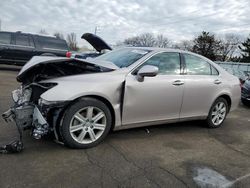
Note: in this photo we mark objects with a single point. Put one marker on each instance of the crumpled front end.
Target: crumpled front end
(26, 113)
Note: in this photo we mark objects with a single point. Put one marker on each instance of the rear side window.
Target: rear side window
(52, 43)
(197, 66)
(5, 38)
(22, 40)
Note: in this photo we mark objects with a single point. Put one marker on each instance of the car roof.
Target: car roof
(34, 34)
(157, 49)
(162, 49)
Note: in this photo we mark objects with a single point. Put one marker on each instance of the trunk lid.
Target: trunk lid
(96, 42)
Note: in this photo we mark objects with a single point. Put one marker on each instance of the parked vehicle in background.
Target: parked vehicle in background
(81, 100)
(245, 93)
(98, 44)
(18, 48)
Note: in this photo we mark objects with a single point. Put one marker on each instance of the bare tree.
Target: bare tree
(43, 31)
(72, 43)
(228, 46)
(162, 42)
(185, 45)
(58, 35)
(145, 39)
(148, 40)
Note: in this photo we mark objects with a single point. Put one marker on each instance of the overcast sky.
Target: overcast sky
(117, 20)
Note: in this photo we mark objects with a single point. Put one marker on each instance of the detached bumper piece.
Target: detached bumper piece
(13, 147)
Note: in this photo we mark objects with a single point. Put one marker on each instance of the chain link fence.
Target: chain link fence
(244, 67)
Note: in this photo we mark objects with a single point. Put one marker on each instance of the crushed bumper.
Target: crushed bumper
(28, 117)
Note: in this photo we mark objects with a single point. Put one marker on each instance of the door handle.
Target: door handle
(217, 82)
(178, 83)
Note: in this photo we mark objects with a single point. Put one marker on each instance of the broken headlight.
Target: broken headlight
(21, 95)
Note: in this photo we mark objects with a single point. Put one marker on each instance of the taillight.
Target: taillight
(68, 54)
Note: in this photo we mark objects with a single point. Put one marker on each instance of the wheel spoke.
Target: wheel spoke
(92, 135)
(90, 112)
(76, 128)
(214, 119)
(80, 118)
(217, 119)
(99, 126)
(214, 113)
(81, 136)
(98, 117)
(223, 109)
(221, 105)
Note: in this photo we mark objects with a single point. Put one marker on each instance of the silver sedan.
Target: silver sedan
(82, 100)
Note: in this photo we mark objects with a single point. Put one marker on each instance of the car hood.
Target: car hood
(45, 65)
(96, 42)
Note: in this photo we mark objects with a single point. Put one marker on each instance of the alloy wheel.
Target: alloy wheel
(219, 113)
(87, 125)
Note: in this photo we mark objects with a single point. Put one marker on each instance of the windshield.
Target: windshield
(124, 57)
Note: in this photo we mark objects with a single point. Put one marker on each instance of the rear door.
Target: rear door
(5, 46)
(24, 48)
(202, 83)
(156, 98)
(52, 45)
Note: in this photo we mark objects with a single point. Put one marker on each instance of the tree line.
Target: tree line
(230, 47)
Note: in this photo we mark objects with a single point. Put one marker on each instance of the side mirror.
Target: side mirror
(147, 70)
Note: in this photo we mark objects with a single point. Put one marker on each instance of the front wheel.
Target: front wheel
(217, 113)
(86, 123)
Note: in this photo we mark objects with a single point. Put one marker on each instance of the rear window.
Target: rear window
(5, 38)
(52, 43)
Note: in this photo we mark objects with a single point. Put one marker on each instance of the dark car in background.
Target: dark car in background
(245, 93)
(18, 48)
(96, 42)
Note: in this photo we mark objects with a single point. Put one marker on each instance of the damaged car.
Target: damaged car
(81, 101)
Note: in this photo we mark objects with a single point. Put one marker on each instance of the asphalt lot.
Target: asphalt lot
(174, 155)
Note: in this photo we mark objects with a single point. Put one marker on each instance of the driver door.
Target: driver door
(155, 98)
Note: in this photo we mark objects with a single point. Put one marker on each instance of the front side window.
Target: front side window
(22, 40)
(5, 38)
(197, 66)
(167, 62)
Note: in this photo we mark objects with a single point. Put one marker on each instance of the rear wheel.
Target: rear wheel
(217, 113)
(86, 123)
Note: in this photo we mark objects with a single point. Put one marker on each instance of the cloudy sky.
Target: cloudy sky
(117, 20)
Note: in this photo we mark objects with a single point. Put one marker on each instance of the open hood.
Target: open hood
(45, 67)
(96, 42)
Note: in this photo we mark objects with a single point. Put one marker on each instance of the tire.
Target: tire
(216, 117)
(86, 123)
(245, 102)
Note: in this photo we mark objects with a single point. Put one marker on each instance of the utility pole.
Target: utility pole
(96, 29)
